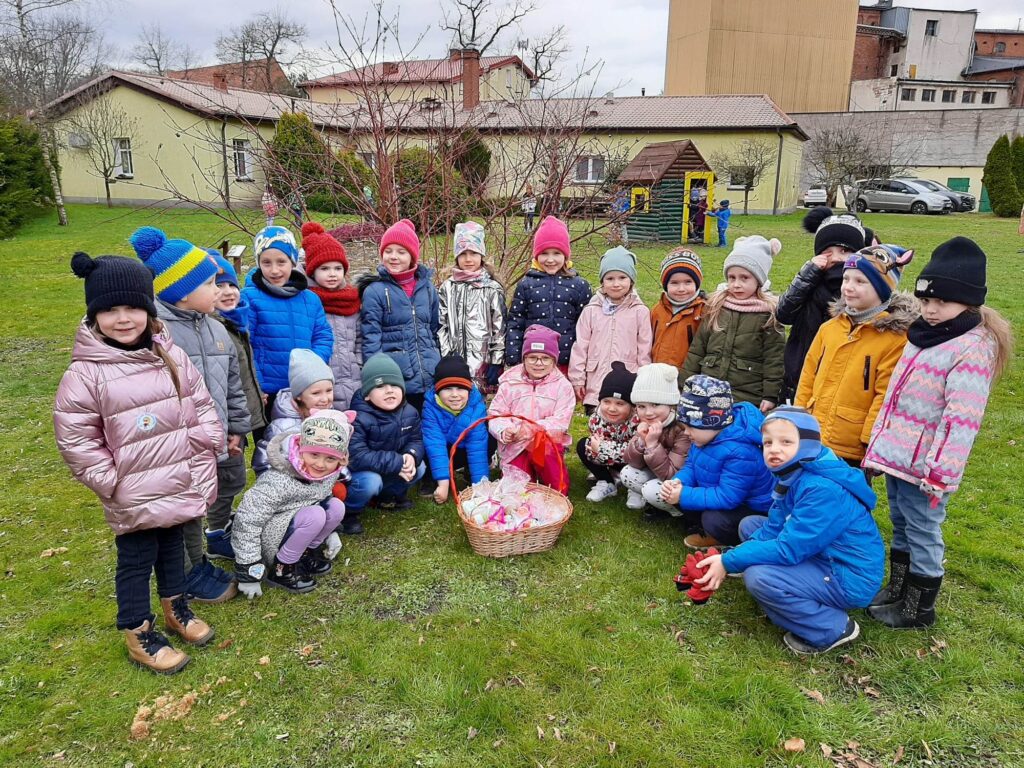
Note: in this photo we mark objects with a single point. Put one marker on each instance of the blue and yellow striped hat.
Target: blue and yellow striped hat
(178, 267)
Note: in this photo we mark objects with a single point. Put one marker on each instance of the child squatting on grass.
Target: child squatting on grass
(818, 553)
(930, 417)
(137, 426)
(287, 519)
(611, 426)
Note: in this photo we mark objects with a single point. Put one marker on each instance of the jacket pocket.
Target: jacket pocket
(847, 428)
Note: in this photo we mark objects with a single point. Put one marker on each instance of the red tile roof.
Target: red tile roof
(421, 71)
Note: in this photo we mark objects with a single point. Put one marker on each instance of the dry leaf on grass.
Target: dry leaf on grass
(305, 651)
(899, 754)
(812, 694)
(283, 736)
(471, 734)
(540, 733)
(795, 744)
(874, 693)
(558, 734)
(490, 685)
(612, 746)
(264, 661)
(826, 750)
(52, 552)
(497, 743)
(224, 644)
(927, 749)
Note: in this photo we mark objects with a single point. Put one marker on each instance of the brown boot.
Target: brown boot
(149, 649)
(179, 620)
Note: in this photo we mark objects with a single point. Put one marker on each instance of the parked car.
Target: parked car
(962, 201)
(815, 196)
(899, 195)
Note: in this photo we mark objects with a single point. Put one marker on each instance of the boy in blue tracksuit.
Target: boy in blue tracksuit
(722, 214)
(818, 553)
(724, 478)
(456, 404)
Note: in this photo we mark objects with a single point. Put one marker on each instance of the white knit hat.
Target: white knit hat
(656, 383)
(754, 254)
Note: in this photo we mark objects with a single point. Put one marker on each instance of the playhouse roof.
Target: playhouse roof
(665, 159)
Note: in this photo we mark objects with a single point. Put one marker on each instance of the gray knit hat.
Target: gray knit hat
(618, 259)
(754, 254)
(306, 368)
(656, 383)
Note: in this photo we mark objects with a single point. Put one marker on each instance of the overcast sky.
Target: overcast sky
(625, 38)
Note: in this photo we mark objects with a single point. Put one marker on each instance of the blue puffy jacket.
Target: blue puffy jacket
(404, 328)
(279, 324)
(441, 428)
(825, 513)
(730, 470)
(554, 301)
(379, 438)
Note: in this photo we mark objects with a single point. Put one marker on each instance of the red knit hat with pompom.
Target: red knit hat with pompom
(321, 247)
(402, 233)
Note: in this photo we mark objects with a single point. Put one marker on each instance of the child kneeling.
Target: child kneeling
(818, 553)
(724, 479)
(537, 390)
(289, 514)
(387, 444)
(612, 425)
(455, 406)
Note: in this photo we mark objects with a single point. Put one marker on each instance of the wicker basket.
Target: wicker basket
(538, 538)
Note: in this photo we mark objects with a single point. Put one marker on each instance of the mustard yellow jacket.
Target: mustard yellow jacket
(847, 371)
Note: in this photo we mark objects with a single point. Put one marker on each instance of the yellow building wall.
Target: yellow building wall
(799, 52)
(172, 149)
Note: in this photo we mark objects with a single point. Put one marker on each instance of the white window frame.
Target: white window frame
(908, 94)
(242, 154)
(951, 94)
(123, 152)
(988, 97)
(595, 169)
(738, 175)
(968, 97)
(928, 95)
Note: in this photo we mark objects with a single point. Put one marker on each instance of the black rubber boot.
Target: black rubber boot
(896, 589)
(291, 577)
(314, 563)
(350, 525)
(916, 610)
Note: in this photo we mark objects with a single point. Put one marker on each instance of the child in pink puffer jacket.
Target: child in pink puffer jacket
(137, 426)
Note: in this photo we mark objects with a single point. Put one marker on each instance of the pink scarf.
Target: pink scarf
(751, 305)
(406, 280)
(465, 276)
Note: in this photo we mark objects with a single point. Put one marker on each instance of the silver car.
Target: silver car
(899, 195)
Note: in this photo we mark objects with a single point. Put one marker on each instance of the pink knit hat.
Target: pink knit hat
(552, 233)
(541, 340)
(402, 233)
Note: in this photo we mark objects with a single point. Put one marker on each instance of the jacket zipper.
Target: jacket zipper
(896, 391)
(867, 372)
(945, 438)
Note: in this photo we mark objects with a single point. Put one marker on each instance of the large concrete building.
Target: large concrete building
(798, 52)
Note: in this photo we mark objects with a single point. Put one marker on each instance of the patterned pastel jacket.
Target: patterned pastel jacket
(933, 410)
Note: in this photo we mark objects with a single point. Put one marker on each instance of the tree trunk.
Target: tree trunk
(106, 187)
(746, 197)
(46, 145)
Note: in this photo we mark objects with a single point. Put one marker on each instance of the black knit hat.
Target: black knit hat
(113, 281)
(844, 230)
(956, 272)
(618, 383)
(452, 371)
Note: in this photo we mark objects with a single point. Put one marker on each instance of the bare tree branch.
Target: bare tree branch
(98, 126)
(479, 23)
(747, 161)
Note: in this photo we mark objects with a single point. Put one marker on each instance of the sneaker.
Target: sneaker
(602, 490)
(218, 545)
(291, 577)
(700, 540)
(801, 647)
(635, 500)
(590, 477)
(314, 563)
(205, 585)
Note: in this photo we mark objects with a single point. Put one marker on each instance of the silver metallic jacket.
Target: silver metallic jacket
(473, 321)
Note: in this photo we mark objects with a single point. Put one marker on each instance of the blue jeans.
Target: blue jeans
(803, 598)
(722, 524)
(916, 528)
(721, 237)
(366, 485)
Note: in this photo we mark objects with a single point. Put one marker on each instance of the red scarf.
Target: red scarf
(406, 280)
(344, 301)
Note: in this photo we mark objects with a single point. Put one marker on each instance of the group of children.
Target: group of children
(353, 393)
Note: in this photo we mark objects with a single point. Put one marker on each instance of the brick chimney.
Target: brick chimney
(220, 81)
(470, 78)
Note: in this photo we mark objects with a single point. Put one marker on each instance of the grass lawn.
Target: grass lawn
(415, 651)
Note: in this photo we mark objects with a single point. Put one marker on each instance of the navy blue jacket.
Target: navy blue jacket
(730, 470)
(441, 428)
(279, 324)
(379, 438)
(826, 513)
(404, 328)
(554, 301)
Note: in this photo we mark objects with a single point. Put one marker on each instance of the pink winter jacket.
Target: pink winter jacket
(549, 401)
(601, 339)
(150, 457)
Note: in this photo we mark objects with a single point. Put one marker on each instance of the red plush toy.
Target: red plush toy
(688, 575)
(340, 491)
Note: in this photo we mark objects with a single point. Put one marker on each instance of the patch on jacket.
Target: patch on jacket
(146, 422)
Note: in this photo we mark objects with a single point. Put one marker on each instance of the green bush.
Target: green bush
(998, 178)
(25, 188)
(472, 159)
(430, 192)
(1017, 154)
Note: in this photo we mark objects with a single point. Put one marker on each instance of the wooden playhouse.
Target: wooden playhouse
(664, 182)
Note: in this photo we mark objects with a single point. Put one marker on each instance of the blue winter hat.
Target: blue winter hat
(807, 428)
(178, 267)
(278, 238)
(706, 403)
(227, 272)
(882, 265)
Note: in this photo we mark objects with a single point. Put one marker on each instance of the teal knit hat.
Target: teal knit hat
(379, 370)
(618, 259)
(178, 267)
